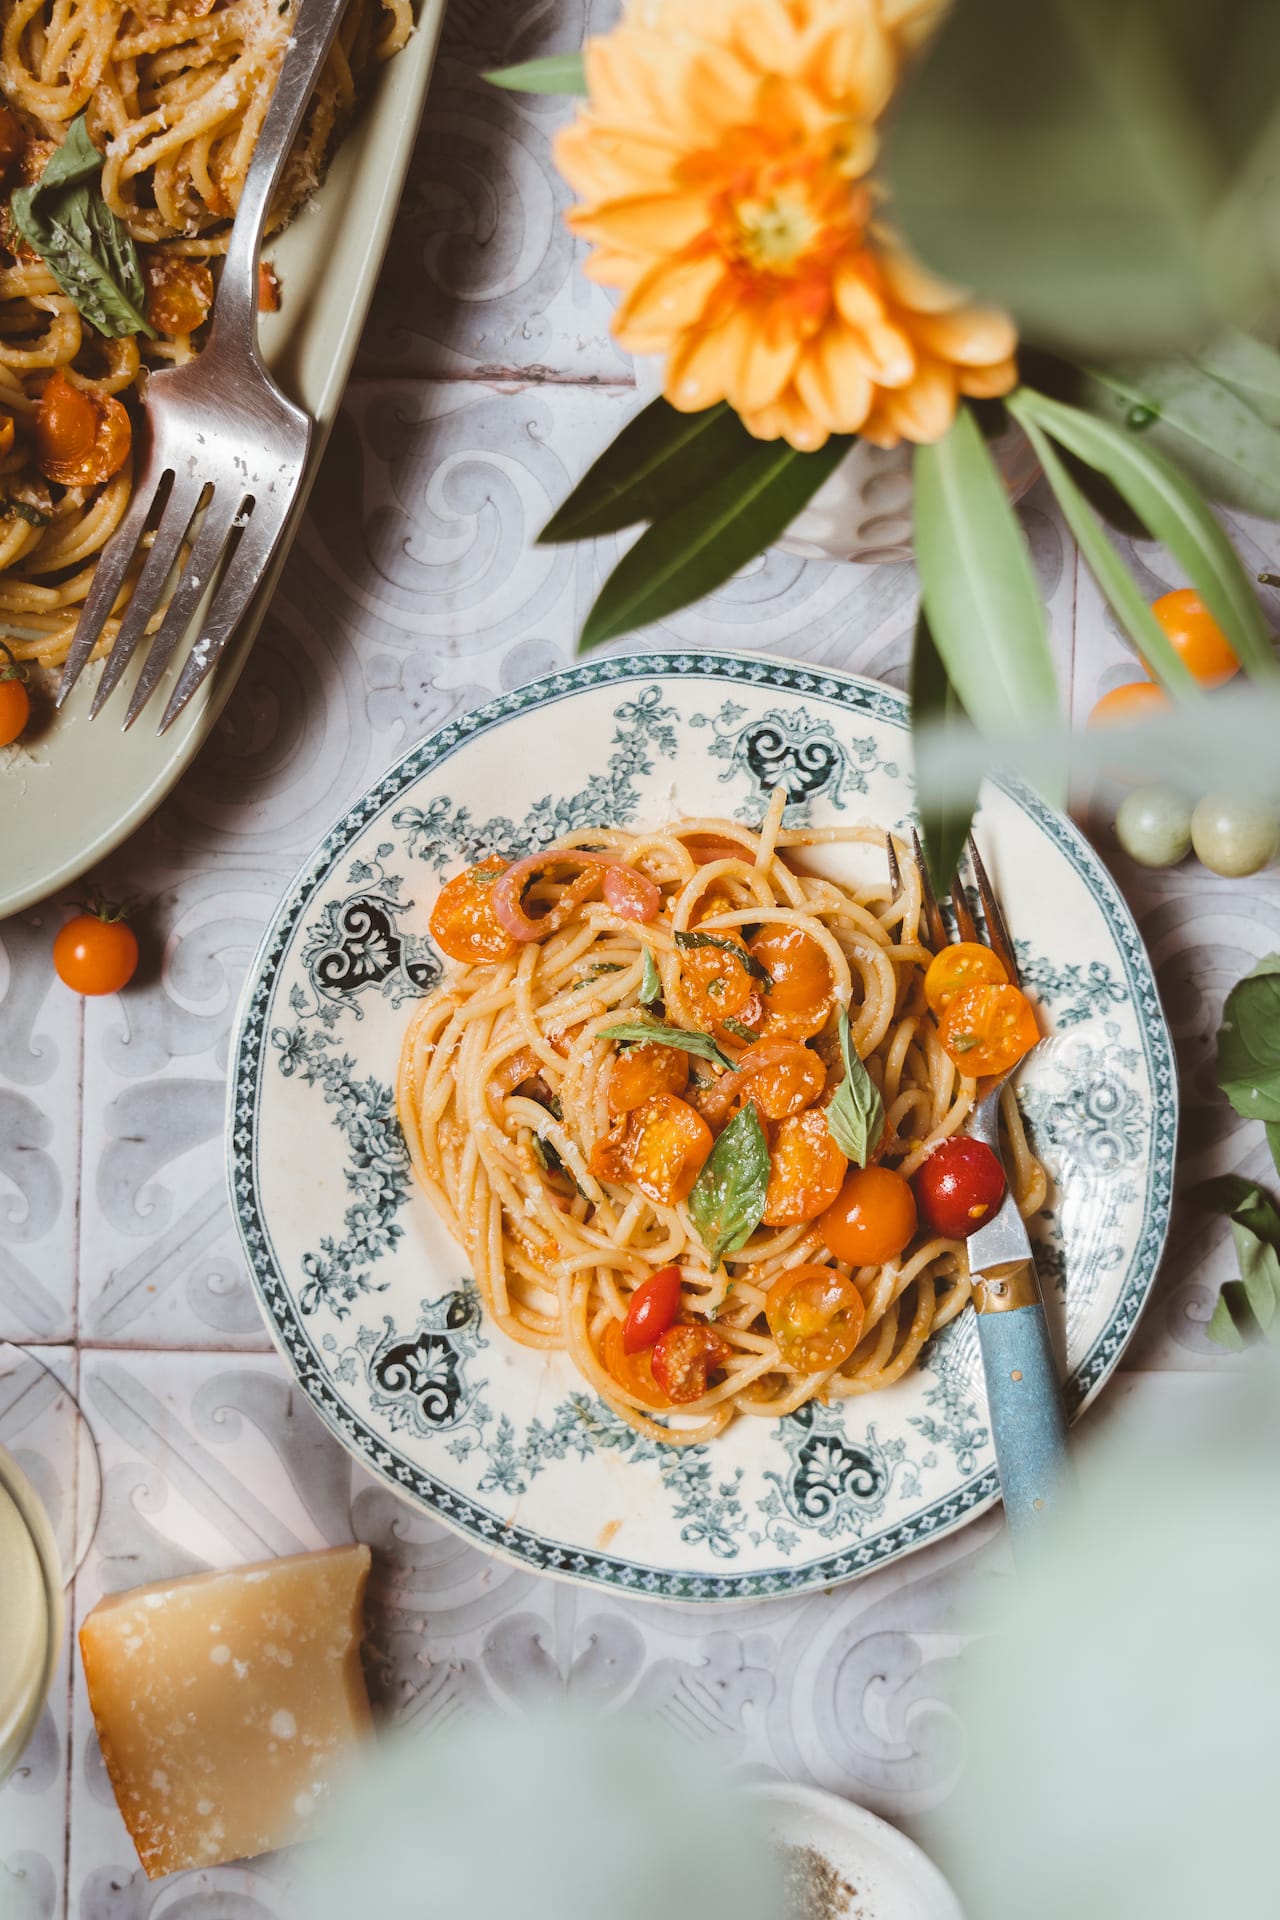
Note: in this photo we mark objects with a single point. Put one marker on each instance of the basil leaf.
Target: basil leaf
(742, 1033)
(547, 1154)
(745, 960)
(554, 73)
(660, 461)
(594, 973)
(855, 1118)
(727, 1202)
(86, 247)
(650, 980)
(1249, 1043)
(653, 1034)
(11, 509)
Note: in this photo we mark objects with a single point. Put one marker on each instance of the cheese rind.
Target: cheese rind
(225, 1703)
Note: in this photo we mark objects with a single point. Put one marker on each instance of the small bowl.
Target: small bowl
(878, 1874)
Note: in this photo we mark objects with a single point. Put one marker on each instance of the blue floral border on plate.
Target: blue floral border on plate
(280, 1311)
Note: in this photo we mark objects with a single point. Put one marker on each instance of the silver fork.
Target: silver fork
(222, 450)
(1028, 1423)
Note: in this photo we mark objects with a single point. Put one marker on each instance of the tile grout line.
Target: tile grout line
(71, 1593)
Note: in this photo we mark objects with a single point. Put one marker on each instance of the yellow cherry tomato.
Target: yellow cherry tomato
(966, 964)
(1196, 637)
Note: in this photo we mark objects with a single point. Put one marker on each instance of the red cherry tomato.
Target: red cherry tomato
(631, 1371)
(95, 954)
(682, 1359)
(654, 1306)
(871, 1219)
(959, 1187)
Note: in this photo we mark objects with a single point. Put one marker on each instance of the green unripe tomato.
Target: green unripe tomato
(1154, 826)
(1234, 834)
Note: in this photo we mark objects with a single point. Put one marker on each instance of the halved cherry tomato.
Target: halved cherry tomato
(95, 952)
(803, 992)
(716, 982)
(631, 894)
(632, 1371)
(1196, 637)
(179, 292)
(966, 964)
(15, 702)
(872, 1218)
(81, 438)
(988, 1029)
(637, 1073)
(959, 1187)
(781, 1076)
(816, 1316)
(462, 920)
(660, 1148)
(806, 1168)
(652, 1309)
(683, 1358)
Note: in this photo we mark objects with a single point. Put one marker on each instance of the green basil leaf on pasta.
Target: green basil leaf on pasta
(652, 1033)
(727, 1201)
(747, 961)
(85, 245)
(650, 980)
(855, 1117)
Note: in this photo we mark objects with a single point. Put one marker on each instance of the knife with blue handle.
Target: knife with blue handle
(1024, 1396)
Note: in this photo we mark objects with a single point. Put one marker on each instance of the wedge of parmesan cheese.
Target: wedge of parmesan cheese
(226, 1702)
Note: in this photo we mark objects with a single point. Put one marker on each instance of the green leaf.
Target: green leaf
(88, 250)
(660, 461)
(1174, 512)
(978, 586)
(740, 1031)
(1259, 1276)
(727, 1201)
(1123, 595)
(1222, 1328)
(935, 703)
(682, 558)
(747, 961)
(1249, 1044)
(650, 980)
(554, 73)
(653, 1033)
(1185, 411)
(1250, 368)
(855, 1117)
(1073, 161)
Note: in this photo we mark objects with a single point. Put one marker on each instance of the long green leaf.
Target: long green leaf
(1198, 420)
(704, 543)
(1176, 514)
(1250, 368)
(555, 73)
(660, 461)
(935, 703)
(979, 589)
(1122, 592)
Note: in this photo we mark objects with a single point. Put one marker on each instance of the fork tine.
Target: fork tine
(108, 577)
(237, 585)
(895, 871)
(966, 926)
(935, 926)
(997, 932)
(196, 575)
(184, 498)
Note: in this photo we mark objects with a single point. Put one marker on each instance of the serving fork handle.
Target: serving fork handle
(234, 324)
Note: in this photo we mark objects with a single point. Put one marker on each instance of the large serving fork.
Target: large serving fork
(221, 451)
(1028, 1423)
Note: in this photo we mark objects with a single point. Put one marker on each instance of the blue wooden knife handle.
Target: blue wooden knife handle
(1028, 1423)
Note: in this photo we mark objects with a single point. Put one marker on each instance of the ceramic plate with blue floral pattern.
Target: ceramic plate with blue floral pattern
(371, 1301)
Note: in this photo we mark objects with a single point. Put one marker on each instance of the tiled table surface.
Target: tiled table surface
(485, 384)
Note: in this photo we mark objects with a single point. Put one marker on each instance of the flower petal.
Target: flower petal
(969, 337)
(671, 297)
(788, 418)
(653, 223)
(832, 381)
(924, 410)
(988, 383)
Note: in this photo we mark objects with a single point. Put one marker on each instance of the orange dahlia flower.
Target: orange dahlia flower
(723, 165)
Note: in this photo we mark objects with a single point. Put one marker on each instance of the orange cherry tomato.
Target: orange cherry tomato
(667, 1143)
(633, 1372)
(1128, 706)
(638, 1073)
(179, 292)
(15, 701)
(81, 438)
(799, 1002)
(716, 982)
(988, 1029)
(806, 1168)
(683, 1358)
(816, 1316)
(268, 288)
(783, 1077)
(966, 964)
(872, 1218)
(95, 954)
(462, 920)
(652, 1308)
(1196, 637)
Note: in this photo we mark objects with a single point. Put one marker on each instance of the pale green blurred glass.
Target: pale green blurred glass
(561, 1814)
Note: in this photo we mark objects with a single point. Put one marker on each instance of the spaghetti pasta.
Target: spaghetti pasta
(561, 1145)
(174, 93)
